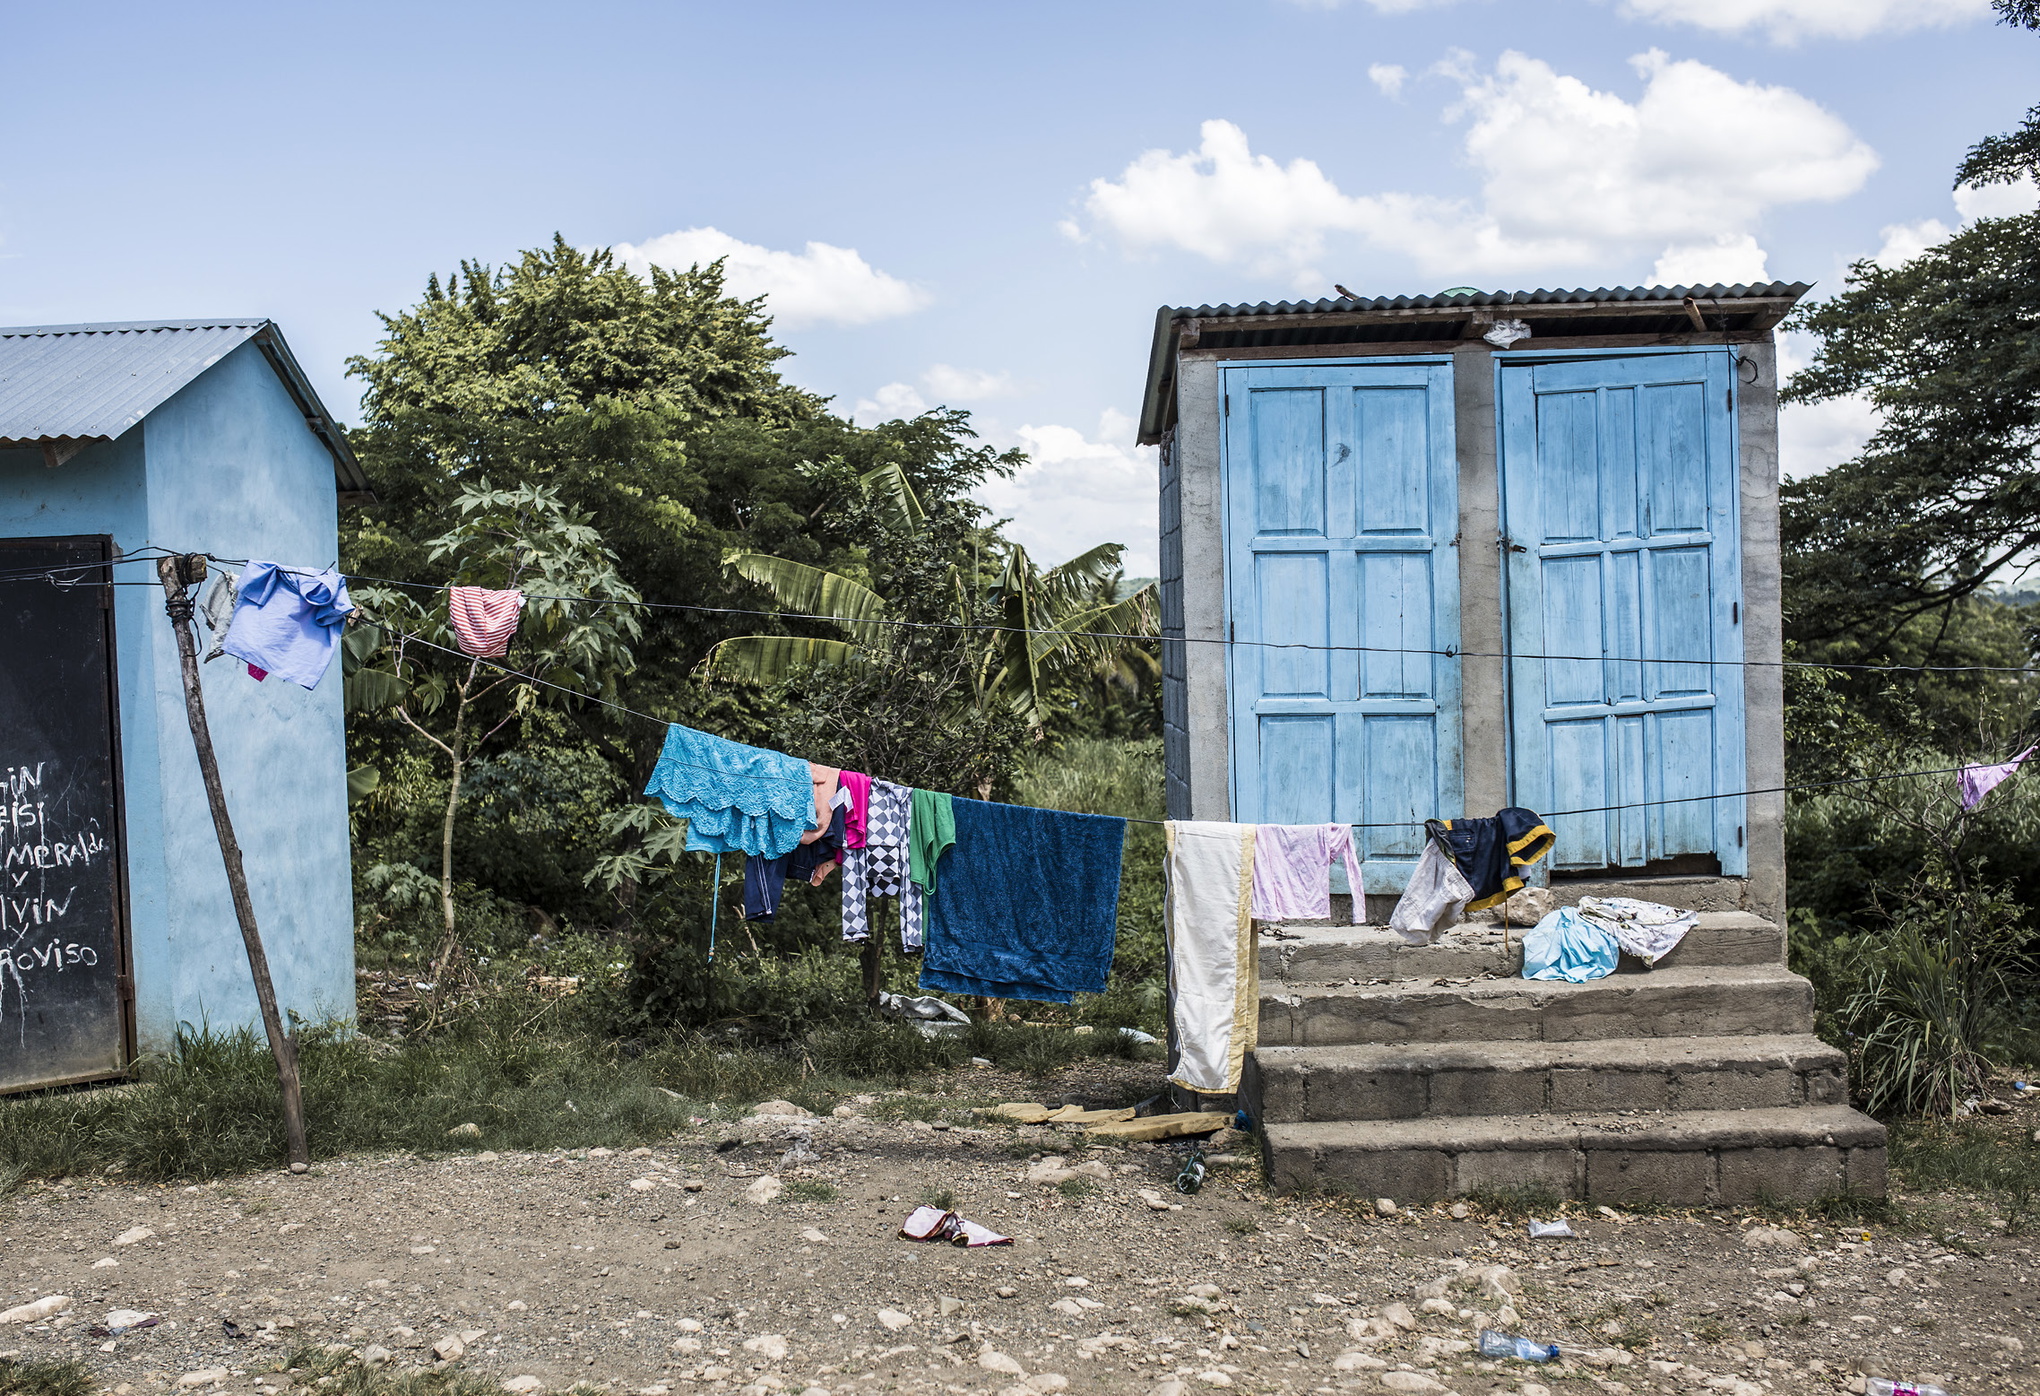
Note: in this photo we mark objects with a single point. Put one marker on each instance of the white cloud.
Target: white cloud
(1389, 77)
(1077, 491)
(1570, 176)
(968, 384)
(1815, 436)
(1789, 21)
(893, 401)
(1905, 241)
(823, 284)
(1728, 259)
(1996, 200)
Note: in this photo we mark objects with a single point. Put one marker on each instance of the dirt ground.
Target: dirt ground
(656, 1271)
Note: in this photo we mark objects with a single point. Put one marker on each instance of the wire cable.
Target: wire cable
(1395, 824)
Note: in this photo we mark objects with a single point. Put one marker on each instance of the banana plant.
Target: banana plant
(1051, 626)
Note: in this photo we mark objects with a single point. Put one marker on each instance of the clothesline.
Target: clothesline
(1445, 653)
(70, 572)
(1131, 819)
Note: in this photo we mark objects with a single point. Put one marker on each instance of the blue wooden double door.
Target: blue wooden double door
(1620, 596)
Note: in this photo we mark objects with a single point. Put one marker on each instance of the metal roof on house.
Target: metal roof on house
(1763, 290)
(63, 386)
(1353, 325)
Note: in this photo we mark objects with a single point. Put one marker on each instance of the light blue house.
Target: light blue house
(116, 929)
(1429, 556)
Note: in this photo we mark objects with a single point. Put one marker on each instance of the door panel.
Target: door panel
(63, 949)
(1342, 506)
(1619, 495)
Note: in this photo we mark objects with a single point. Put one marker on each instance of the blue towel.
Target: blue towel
(1027, 905)
(287, 622)
(735, 798)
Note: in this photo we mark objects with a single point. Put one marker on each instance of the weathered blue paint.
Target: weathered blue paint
(1341, 493)
(226, 466)
(1619, 483)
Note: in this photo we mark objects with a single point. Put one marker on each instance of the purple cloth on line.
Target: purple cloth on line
(288, 621)
(1979, 781)
(1292, 879)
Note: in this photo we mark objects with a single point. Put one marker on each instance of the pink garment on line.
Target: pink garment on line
(1978, 781)
(1292, 877)
(859, 786)
(484, 620)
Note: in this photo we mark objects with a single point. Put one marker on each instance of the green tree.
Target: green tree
(524, 539)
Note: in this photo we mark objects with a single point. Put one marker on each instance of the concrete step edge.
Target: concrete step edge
(1798, 1051)
(1838, 1126)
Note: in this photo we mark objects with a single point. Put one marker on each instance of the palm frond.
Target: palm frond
(769, 659)
(812, 591)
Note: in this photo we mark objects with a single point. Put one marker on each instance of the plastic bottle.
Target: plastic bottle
(1494, 1343)
(1885, 1386)
(1192, 1176)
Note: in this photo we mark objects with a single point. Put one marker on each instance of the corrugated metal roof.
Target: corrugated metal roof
(1608, 316)
(77, 383)
(1481, 299)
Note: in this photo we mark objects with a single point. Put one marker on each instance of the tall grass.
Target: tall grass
(213, 1110)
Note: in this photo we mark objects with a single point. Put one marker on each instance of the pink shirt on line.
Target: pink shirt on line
(484, 620)
(1292, 871)
(859, 786)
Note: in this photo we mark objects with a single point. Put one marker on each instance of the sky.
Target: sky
(983, 206)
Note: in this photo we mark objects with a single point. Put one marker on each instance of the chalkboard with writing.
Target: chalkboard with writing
(63, 959)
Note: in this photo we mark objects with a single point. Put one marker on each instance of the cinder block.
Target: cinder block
(1735, 1090)
(1365, 1095)
(1473, 1091)
(1589, 1088)
(1618, 1176)
(1865, 1171)
(1797, 1174)
(1827, 1087)
(1561, 1170)
(1407, 1175)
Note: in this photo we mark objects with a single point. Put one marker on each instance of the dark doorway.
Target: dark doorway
(64, 989)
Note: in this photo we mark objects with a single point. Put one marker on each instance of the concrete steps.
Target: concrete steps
(1339, 954)
(1395, 1082)
(1426, 1072)
(1687, 1158)
(1704, 1001)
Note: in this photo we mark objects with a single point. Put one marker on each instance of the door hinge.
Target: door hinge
(1738, 835)
(1232, 631)
(1735, 613)
(1728, 399)
(124, 985)
(1228, 404)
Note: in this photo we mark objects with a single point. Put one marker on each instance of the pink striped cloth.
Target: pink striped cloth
(484, 620)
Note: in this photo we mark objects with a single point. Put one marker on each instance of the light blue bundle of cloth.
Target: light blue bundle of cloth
(1566, 945)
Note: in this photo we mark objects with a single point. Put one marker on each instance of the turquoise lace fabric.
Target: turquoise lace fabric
(735, 798)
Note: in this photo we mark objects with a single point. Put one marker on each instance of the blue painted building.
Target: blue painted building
(185, 436)
(1430, 556)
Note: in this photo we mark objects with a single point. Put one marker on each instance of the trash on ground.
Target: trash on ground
(1885, 1386)
(1542, 1230)
(926, 1012)
(1162, 1126)
(1145, 1039)
(1028, 1113)
(935, 1224)
(1191, 1178)
(1494, 1343)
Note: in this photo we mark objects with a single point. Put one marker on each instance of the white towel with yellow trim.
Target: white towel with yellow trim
(1214, 970)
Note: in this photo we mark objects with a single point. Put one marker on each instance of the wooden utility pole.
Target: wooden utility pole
(177, 573)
